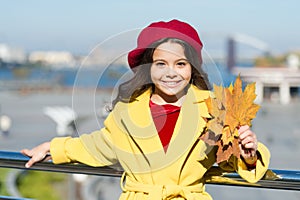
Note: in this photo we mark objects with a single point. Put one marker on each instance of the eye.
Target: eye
(182, 63)
(160, 64)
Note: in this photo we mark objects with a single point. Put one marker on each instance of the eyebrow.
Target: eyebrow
(180, 59)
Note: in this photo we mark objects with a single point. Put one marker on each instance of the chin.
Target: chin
(173, 93)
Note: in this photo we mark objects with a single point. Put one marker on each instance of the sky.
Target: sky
(77, 26)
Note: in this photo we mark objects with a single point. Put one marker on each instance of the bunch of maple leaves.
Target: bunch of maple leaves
(230, 108)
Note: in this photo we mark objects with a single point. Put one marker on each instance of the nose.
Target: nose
(171, 72)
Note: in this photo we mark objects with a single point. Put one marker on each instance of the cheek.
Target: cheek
(152, 75)
(187, 74)
(155, 74)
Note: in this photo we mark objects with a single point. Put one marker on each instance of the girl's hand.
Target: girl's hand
(248, 144)
(37, 154)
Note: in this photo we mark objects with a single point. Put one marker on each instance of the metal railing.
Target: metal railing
(273, 179)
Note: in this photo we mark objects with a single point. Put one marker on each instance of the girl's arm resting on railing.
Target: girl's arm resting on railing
(94, 149)
(59, 150)
(67, 149)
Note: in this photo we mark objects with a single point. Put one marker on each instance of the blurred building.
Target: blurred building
(12, 54)
(293, 61)
(104, 57)
(53, 58)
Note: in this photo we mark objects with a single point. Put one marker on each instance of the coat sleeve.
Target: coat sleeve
(250, 175)
(94, 149)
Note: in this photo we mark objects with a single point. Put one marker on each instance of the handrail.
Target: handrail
(273, 179)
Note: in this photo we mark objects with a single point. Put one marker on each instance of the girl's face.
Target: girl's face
(170, 72)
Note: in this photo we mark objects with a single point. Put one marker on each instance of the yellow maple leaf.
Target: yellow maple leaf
(240, 109)
(219, 96)
(230, 108)
(227, 136)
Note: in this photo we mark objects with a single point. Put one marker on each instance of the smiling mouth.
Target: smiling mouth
(171, 83)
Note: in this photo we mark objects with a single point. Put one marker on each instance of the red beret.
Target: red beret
(160, 30)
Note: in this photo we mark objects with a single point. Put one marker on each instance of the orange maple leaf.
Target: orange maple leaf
(230, 108)
(240, 109)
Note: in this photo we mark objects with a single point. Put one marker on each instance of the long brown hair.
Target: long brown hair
(141, 80)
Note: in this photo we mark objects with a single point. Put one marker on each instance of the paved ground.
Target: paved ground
(277, 126)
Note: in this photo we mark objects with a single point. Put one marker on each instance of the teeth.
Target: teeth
(171, 83)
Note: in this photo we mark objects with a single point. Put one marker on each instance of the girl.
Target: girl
(156, 122)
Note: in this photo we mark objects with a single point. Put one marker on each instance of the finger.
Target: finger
(249, 154)
(250, 145)
(29, 163)
(23, 151)
(244, 134)
(34, 159)
(247, 134)
(249, 148)
(26, 152)
(243, 128)
(249, 142)
(247, 139)
(37, 157)
(246, 153)
(47, 158)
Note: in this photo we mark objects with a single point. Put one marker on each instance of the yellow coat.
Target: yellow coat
(130, 138)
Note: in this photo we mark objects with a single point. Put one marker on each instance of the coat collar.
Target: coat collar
(137, 119)
(193, 97)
